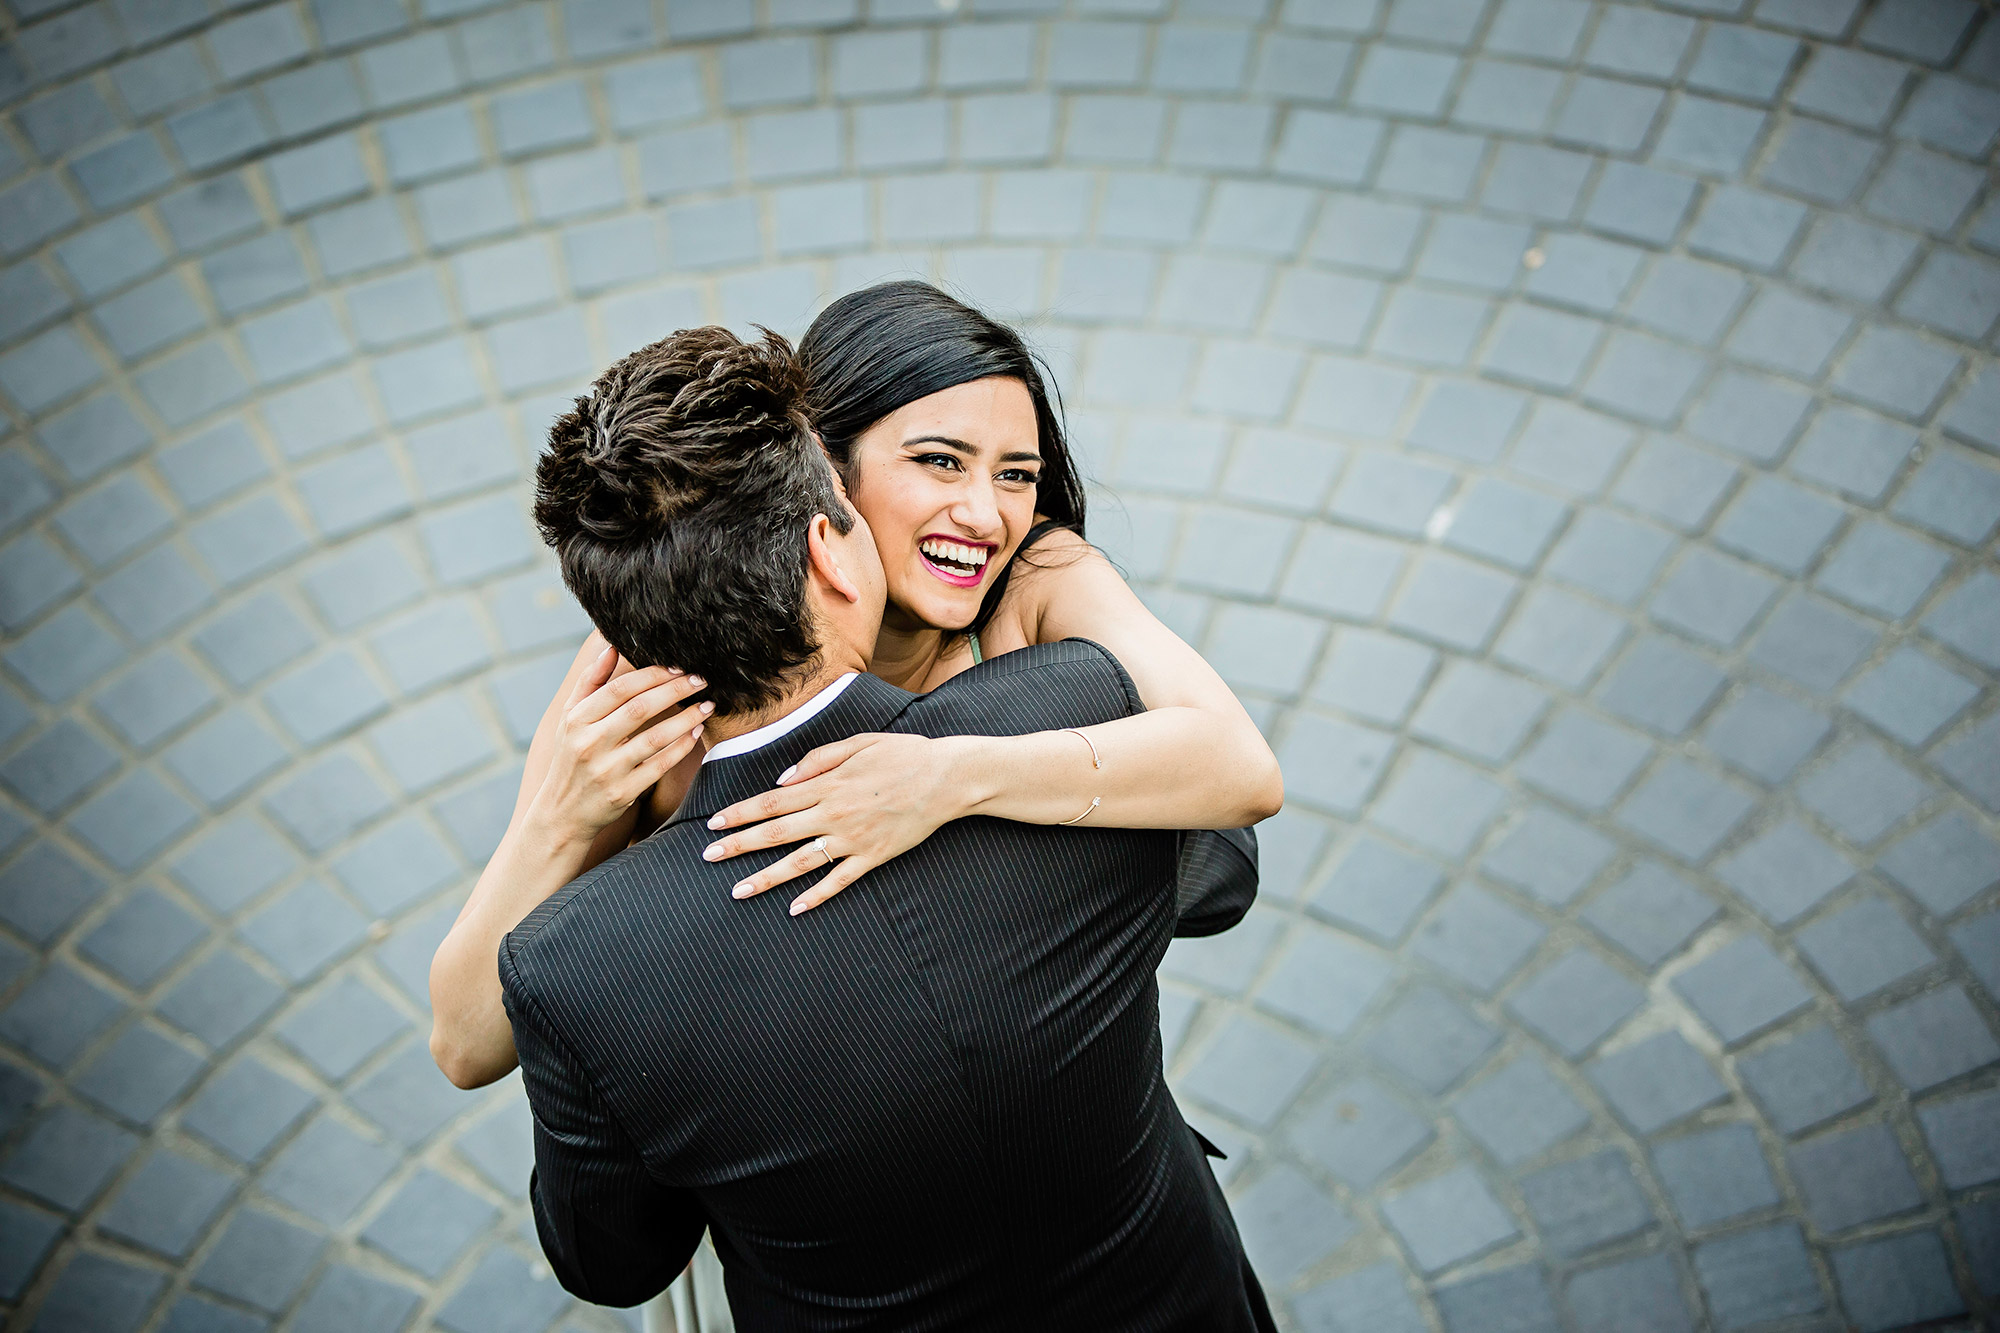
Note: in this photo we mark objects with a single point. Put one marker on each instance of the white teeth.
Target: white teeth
(957, 553)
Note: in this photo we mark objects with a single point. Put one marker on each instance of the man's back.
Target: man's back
(935, 1103)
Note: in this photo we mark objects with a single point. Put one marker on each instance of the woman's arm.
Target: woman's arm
(613, 736)
(1193, 760)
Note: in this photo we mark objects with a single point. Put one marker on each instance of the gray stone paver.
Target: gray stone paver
(1571, 425)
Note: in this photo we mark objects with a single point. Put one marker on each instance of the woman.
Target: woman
(939, 426)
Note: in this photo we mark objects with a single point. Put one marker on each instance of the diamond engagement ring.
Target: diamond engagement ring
(819, 845)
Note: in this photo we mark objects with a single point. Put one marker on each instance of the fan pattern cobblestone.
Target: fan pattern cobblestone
(1573, 427)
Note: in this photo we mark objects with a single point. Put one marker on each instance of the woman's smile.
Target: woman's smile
(960, 563)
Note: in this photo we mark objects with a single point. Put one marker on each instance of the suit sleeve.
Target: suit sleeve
(1046, 687)
(1216, 880)
(1074, 683)
(612, 1234)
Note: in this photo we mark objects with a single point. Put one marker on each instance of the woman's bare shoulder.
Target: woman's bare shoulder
(1055, 550)
(1061, 581)
(1057, 540)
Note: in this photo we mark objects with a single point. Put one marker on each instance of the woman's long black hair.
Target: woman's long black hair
(883, 347)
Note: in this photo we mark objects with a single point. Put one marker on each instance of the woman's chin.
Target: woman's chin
(943, 608)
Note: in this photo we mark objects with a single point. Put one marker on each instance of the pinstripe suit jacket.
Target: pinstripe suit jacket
(934, 1103)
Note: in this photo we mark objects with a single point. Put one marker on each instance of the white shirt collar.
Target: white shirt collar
(771, 731)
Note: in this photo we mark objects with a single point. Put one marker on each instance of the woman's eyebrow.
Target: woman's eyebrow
(970, 451)
(945, 440)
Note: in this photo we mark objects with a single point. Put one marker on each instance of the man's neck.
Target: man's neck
(832, 667)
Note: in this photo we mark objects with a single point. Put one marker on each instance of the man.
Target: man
(937, 1102)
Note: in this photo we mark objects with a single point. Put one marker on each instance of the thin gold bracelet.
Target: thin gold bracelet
(1095, 763)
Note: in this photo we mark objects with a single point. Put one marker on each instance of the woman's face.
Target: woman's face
(947, 483)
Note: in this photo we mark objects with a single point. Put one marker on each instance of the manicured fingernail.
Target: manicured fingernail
(696, 681)
(707, 708)
(740, 891)
(713, 852)
(715, 821)
(799, 905)
(786, 776)
(699, 727)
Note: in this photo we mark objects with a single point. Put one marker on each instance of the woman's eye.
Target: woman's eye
(938, 460)
(1019, 477)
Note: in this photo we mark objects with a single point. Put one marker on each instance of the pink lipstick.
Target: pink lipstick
(956, 561)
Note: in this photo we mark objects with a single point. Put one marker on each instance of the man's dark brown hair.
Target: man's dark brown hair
(677, 495)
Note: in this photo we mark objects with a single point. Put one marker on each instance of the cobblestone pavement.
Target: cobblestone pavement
(1571, 425)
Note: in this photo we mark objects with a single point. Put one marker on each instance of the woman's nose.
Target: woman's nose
(978, 511)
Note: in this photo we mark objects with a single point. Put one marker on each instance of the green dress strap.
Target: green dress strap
(976, 658)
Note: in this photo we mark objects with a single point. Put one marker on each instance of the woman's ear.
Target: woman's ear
(823, 553)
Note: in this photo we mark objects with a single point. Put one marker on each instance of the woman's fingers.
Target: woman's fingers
(648, 776)
(772, 833)
(653, 751)
(652, 704)
(670, 729)
(594, 675)
(844, 873)
(765, 805)
(802, 861)
(824, 759)
(613, 694)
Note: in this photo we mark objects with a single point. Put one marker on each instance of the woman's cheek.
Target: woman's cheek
(876, 504)
(1020, 511)
(924, 505)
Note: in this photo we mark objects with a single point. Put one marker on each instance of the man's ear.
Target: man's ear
(826, 560)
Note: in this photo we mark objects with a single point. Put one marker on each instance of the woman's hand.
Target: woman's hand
(618, 735)
(871, 797)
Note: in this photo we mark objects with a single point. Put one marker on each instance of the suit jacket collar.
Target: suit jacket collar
(868, 704)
